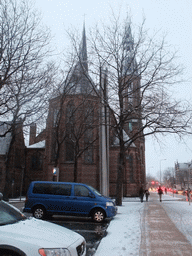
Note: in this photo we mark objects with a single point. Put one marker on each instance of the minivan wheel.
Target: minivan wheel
(98, 215)
(39, 212)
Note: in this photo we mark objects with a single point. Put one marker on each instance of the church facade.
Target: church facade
(78, 144)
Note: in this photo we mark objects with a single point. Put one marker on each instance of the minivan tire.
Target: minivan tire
(98, 215)
(39, 212)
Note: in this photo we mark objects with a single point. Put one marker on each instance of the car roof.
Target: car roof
(59, 182)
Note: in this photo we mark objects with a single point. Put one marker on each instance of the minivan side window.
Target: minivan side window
(81, 191)
(52, 189)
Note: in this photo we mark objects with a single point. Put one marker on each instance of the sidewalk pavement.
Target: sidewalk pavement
(157, 235)
(160, 236)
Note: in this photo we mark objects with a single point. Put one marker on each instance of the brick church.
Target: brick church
(78, 144)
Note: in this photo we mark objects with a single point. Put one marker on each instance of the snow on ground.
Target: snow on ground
(124, 232)
(180, 212)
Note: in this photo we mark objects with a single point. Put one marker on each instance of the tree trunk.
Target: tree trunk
(121, 166)
(75, 170)
(119, 185)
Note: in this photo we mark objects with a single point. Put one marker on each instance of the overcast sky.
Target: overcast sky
(171, 16)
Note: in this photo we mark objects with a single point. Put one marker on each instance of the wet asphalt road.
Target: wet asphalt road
(92, 232)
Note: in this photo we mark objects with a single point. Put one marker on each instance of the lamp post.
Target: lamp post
(22, 176)
(160, 168)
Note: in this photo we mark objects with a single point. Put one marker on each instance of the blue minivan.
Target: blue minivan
(45, 198)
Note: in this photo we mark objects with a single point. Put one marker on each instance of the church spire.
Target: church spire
(83, 50)
(129, 63)
(79, 77)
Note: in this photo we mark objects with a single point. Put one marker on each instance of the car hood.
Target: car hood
(38, 232)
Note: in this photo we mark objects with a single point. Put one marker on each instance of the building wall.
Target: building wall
(89, 173)
(35, 169)
(12, 166)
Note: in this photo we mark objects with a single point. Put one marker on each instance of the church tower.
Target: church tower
(131, 84)
(79, 80)
(132, 104)
(77, 135)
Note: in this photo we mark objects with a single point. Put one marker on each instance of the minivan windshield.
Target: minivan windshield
(9, 215)
(95, 191)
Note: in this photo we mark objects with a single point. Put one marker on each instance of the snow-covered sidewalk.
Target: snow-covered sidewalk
(124, 232)
(126, 229)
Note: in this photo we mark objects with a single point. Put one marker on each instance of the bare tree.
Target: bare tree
(169, 178)
(25, 73)
(141, 72)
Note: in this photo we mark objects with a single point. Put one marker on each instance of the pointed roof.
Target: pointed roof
(129, 63)
(79, 79)
(128, 39)
(83, 50)
(40, 144)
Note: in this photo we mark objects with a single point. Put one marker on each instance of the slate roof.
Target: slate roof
(129, 63)
(125, 137)
(79, 80)
(40, 144)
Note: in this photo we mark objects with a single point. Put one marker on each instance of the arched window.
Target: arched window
(70, 122)
(56, 116)
(131, 169)
(70, 113)
(69, 150)
(88, 137)
(37, 161)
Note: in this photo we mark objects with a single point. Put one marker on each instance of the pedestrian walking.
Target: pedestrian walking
(188, 194)
(147, 194)
(160, 192)
(141, 193)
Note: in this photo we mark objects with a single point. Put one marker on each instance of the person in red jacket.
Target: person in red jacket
(160, 192)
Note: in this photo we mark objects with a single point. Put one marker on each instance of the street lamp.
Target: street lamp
(160, 168)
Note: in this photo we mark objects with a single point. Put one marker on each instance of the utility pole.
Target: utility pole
(104, 135)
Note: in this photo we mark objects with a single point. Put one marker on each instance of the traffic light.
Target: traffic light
(56, 174)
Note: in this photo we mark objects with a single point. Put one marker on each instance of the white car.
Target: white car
(21, 236)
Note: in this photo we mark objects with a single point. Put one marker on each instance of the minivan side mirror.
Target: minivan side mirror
(91, 195)
(1, 196)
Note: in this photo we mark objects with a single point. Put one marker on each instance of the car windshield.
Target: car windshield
(95, 191)
(9, 214)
